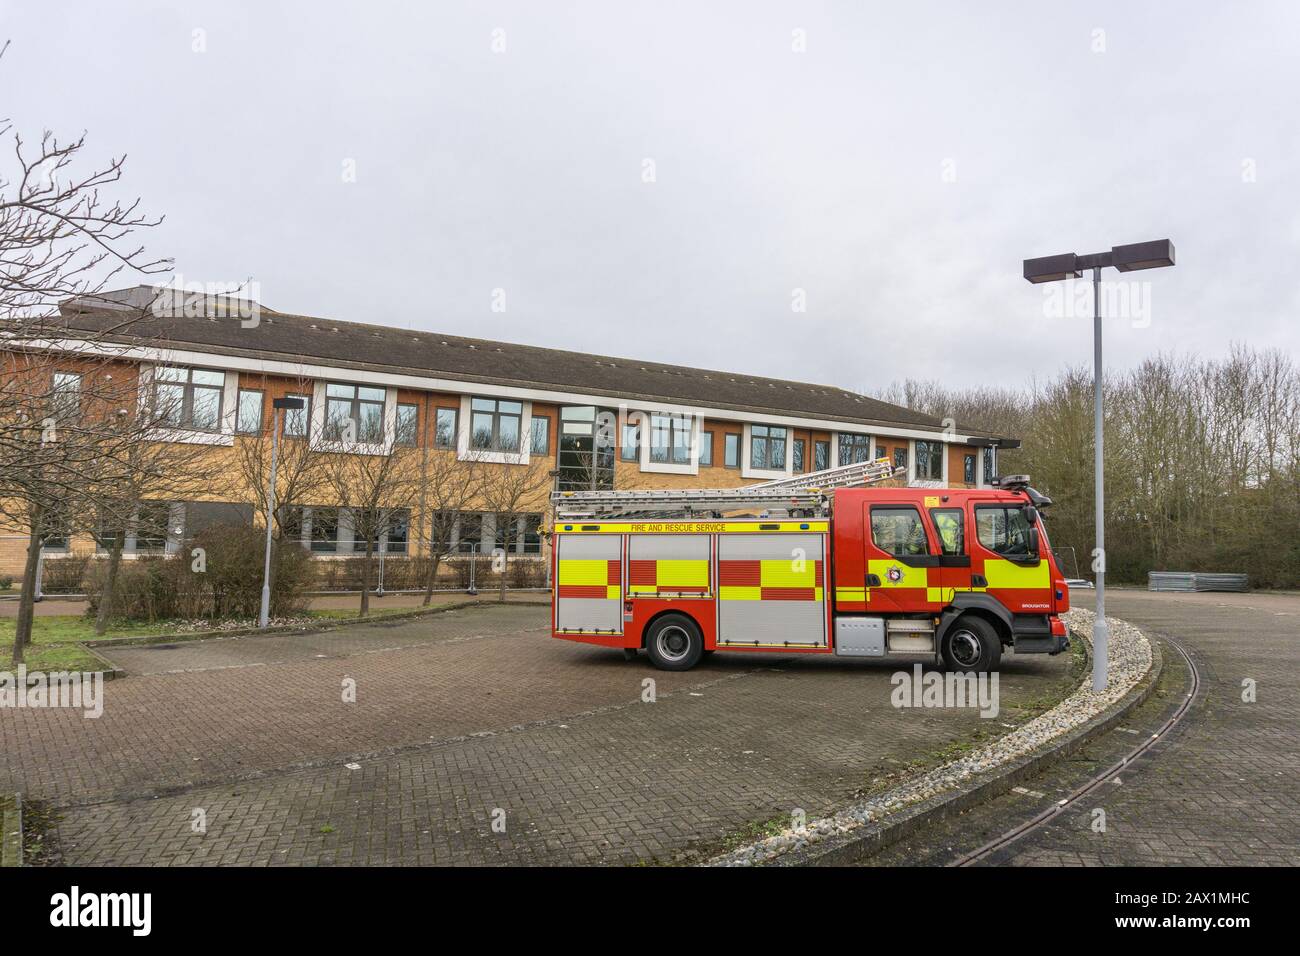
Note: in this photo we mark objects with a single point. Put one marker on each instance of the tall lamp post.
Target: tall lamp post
(1130, 258)
(280, 407)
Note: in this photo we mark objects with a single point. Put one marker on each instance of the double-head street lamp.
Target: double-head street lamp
(1131, 258)
(280, 407)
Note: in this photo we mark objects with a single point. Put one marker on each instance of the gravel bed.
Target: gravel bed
(1130, 660)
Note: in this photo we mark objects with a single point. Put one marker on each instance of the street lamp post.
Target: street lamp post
(279, 407)
(1130, 258)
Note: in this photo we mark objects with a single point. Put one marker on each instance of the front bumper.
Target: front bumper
(1039, 634)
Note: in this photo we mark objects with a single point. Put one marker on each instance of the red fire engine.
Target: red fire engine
(827, 567)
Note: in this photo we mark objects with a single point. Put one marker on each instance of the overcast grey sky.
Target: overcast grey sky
(897, 170)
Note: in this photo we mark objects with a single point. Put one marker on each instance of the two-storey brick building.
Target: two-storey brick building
(589, 420)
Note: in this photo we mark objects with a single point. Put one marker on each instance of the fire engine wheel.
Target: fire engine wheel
(674, 643)
(971, 644)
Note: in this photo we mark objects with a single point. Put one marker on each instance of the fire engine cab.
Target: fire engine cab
(826, 566)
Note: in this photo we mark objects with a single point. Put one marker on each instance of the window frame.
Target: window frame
(920, 523)
(449, 443)
(313, 539)
(414, 441)
(770, 442)
(545, 423)
(629, 450)
(188, 389)
(821, 454)
(853, 441)
(731, 449)
(497, 416)
(239, 411)
(356, 404)
(961, 530)
(935, 451)
(476, 517)
(65, 395)
(677, 430)
(1023, 556)
(294, 414)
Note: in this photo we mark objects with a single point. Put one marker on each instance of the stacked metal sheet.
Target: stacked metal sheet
(1195, 581)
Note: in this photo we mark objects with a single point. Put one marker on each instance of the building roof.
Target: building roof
(354, 345)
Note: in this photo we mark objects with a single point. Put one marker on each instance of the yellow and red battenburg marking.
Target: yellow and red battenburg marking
(771, 580)
(590, 579)
(650, 576)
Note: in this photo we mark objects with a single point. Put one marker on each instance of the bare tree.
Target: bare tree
(512, 491)
(449, 486)
(123, 487)
(300, 469)
(376, 490)
(59, 239)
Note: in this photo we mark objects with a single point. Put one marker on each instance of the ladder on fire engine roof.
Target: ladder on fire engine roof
(800, 495)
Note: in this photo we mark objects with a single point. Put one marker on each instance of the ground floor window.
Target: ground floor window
(854, 449)
(767, 447)
(929, 460)
(821, 455)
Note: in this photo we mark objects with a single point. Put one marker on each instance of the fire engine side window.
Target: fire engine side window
(951, 525)
(1002, 530)
(898, 531)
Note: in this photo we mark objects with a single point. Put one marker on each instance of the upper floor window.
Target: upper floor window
(929, 460)
(540, 441)
(630, 446)
(65, 397)
(296, 420)
(248, 416)
(767, 447)
(706, 448)
(821, 455)
(670, 439)
(444, 435)
(188, 397)
(408, 424)
(854, 449)
(495, 424)
(731, 450)
(354, 413)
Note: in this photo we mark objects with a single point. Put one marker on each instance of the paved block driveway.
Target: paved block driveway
(457, 716)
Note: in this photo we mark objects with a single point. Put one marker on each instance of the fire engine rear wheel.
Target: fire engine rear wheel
(674, 643)
(972, 645)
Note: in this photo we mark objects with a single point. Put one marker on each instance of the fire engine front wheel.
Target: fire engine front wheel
(971, 644)
(674, 643)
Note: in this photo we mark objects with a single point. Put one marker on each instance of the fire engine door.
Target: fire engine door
(902, 564)
(954, 552)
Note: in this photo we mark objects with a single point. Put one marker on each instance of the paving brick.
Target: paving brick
(456, 716)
